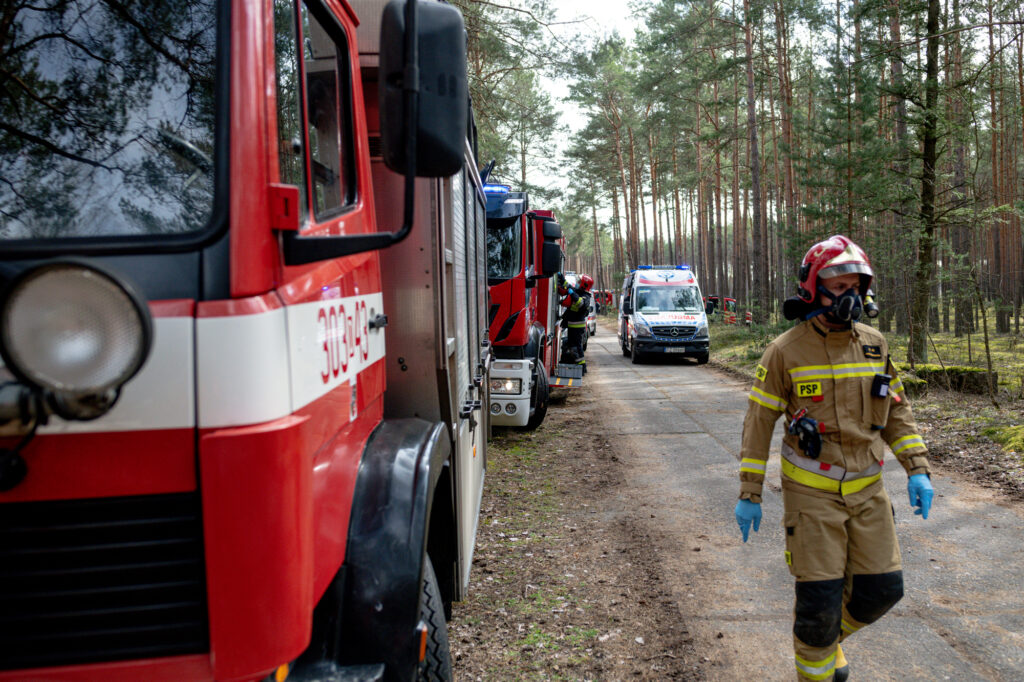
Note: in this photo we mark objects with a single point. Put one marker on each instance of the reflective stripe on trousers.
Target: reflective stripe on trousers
(834, 478)
(816, 670)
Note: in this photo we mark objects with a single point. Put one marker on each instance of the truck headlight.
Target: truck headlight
(76, 331)
(642, 328)
(506, 386)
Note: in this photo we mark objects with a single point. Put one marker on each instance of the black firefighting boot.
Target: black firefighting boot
(842, 672)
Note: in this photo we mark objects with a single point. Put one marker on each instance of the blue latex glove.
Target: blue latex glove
(747, 512)
(919, 487)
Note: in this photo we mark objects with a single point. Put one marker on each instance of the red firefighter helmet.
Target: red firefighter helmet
(835, 256)
(586, 281)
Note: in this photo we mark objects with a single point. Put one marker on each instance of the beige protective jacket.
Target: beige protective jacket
(830, 373)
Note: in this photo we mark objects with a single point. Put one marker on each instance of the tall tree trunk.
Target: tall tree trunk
(929, 156)
(760, 260)
(962, 288)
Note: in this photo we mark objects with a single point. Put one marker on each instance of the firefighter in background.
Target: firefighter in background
(832, 379)
(576, 302)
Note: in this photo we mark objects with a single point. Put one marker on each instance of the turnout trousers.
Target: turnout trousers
(846, 561)
(574, 344)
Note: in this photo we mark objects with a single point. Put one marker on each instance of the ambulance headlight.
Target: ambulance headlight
(75, 331)
(642, 328)
(702, 330)
(506, 386)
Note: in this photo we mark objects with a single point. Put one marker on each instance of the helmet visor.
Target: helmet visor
(845, 269)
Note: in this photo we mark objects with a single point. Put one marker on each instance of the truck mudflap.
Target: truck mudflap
(566, 376)
(387, 545)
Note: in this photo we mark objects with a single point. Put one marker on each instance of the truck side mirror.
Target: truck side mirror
(441, 119)
(551, 258)
(551, 252)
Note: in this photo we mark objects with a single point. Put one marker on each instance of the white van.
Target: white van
(662, 311)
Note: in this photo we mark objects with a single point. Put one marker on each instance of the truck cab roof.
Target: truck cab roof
(502, 203)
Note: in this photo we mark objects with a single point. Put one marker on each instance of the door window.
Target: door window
(315, 138)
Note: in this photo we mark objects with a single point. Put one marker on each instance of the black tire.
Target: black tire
(539, 396)
(635, 355)
(625, 349)
(702, 359)
(437, 664)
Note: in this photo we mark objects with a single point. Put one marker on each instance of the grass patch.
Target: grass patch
(1010, 437)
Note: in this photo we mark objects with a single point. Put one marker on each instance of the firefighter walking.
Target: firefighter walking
(833, 380)
(576, 301)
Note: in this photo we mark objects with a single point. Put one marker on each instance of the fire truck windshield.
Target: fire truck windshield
(504, 249)
(665, 299)
(108, 119)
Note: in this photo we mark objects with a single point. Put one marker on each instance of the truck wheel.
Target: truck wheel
(635, 356)
(702, 359)
(539, 397)
(437, 664)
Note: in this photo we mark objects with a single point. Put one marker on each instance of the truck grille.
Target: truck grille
(674, 332)
(83, 581)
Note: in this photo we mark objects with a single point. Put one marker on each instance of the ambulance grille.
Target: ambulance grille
(674, 331)
(84, 581)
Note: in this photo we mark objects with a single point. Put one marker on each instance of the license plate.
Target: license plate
(675, 350)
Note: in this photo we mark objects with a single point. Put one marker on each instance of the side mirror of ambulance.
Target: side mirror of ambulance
(443, 108)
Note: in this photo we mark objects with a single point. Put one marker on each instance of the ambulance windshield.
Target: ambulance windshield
(668, 299)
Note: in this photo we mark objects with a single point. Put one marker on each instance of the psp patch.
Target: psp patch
(808, 389)
(761, 373)
(872, 352)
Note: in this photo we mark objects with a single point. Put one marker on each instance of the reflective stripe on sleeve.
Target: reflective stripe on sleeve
(767, 399)
(753, 466)
(849, 628)
(906, 443)
(896, 386)
(816, 670)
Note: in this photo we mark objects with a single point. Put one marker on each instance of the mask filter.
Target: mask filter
(847, 307)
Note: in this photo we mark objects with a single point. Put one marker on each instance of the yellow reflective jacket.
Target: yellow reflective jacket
(830, 373)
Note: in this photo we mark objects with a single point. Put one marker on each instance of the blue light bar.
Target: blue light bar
(497, 189)
(682, 267)
(645, 267)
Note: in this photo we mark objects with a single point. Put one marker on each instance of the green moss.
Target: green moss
(1010, 437)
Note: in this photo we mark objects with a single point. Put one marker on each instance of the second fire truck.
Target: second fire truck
(524, 252)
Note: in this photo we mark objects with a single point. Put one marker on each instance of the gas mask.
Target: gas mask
(846, 307)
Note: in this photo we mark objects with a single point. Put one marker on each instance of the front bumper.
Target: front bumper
(686, 347)
(511, 409)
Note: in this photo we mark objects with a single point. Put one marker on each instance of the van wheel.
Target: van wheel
(635, 356)
(437, 664)
(625, 349)
(702, 359)
(539, 396)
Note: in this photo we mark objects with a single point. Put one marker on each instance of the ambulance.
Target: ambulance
(662, 311)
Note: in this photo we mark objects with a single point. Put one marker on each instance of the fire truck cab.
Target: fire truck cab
(213, 465)
(662, 311)
(524, 250)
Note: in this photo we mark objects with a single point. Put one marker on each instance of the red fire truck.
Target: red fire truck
(524, 252)
(212, 465)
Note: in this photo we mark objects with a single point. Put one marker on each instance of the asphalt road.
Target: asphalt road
(678, 427)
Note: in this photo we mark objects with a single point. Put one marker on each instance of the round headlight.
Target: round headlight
(73, 328)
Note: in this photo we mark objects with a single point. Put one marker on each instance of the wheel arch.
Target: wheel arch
(402, 497)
